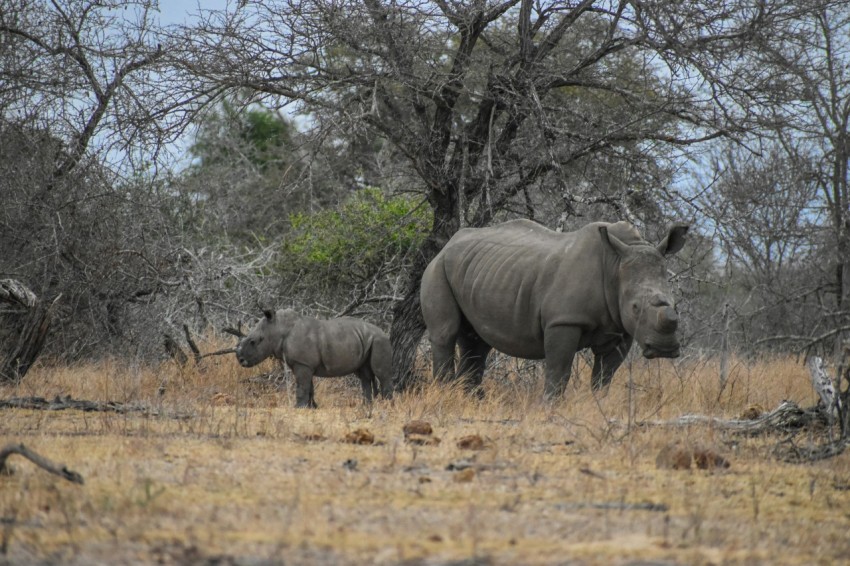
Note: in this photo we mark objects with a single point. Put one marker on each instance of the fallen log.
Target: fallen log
(787, 417)
(67, 403)
(38, 460)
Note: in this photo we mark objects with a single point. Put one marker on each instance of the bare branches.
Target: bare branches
(92, 71)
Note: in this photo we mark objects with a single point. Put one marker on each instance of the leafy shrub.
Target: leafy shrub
(364, 242)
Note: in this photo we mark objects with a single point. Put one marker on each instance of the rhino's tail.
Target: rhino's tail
(381, 361)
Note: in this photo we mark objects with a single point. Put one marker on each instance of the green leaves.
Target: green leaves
(369, 232)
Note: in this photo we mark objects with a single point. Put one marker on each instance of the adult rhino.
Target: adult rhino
(533, 293)
(326, 348)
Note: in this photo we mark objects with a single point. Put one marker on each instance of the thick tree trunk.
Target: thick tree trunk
(406, 333)
(24, 345)
(408, 325)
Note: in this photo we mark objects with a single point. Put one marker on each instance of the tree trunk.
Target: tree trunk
(408, 325)
(33, 334)
(406, 333)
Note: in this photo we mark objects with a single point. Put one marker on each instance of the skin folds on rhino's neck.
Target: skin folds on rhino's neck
(285, 319)
(611, 287)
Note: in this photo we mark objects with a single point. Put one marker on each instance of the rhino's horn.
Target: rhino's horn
(668, 320)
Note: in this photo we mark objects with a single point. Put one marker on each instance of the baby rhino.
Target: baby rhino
(327, 348)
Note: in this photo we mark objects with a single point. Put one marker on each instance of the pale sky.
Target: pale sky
(179, 11)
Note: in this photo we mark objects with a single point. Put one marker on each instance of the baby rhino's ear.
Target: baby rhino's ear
(269, 314)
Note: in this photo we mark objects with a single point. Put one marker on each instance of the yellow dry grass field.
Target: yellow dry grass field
(226, 471)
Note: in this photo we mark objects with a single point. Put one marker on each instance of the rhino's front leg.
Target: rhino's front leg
(303, 386)
(560, 344)
(605, 363)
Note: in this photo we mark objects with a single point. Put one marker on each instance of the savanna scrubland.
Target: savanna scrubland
(165, 176)
(223, 470)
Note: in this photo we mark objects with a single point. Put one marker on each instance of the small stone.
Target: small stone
(417, 427)
(471, 442)
(360, 436)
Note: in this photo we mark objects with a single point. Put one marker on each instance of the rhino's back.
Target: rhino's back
(513, 280)
(334, 347)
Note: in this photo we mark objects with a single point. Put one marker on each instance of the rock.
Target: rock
(471, 442)
(417, 427)
(677, 456)
(360, 436)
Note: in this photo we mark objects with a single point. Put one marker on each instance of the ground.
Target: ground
(224, 470)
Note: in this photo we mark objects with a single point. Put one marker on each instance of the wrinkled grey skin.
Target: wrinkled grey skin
(326, 348)
(533, 293)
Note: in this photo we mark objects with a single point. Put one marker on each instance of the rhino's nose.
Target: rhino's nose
(668, 320)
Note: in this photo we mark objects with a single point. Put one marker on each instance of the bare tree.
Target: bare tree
(778, 202)
(85, 110)
(488, 101)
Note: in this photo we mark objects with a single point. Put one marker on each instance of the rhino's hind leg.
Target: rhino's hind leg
(442, 318)
(473, 360)
(381, 362)
(607, 362)
(367, 382)
(304, 392)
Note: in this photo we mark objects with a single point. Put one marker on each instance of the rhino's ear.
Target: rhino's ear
(614, 242)
(674, 241)
(269, 314)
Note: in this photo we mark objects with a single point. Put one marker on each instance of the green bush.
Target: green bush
(367, 235)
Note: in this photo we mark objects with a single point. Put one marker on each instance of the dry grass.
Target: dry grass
(249, 479)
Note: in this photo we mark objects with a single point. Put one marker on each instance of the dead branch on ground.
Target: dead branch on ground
(787, 417)
(39, 461)
(65, 403)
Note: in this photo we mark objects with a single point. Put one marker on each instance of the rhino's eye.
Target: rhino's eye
(635, 308)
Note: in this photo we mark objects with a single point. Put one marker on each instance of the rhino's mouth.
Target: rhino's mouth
(242, 361)
(650, 352)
